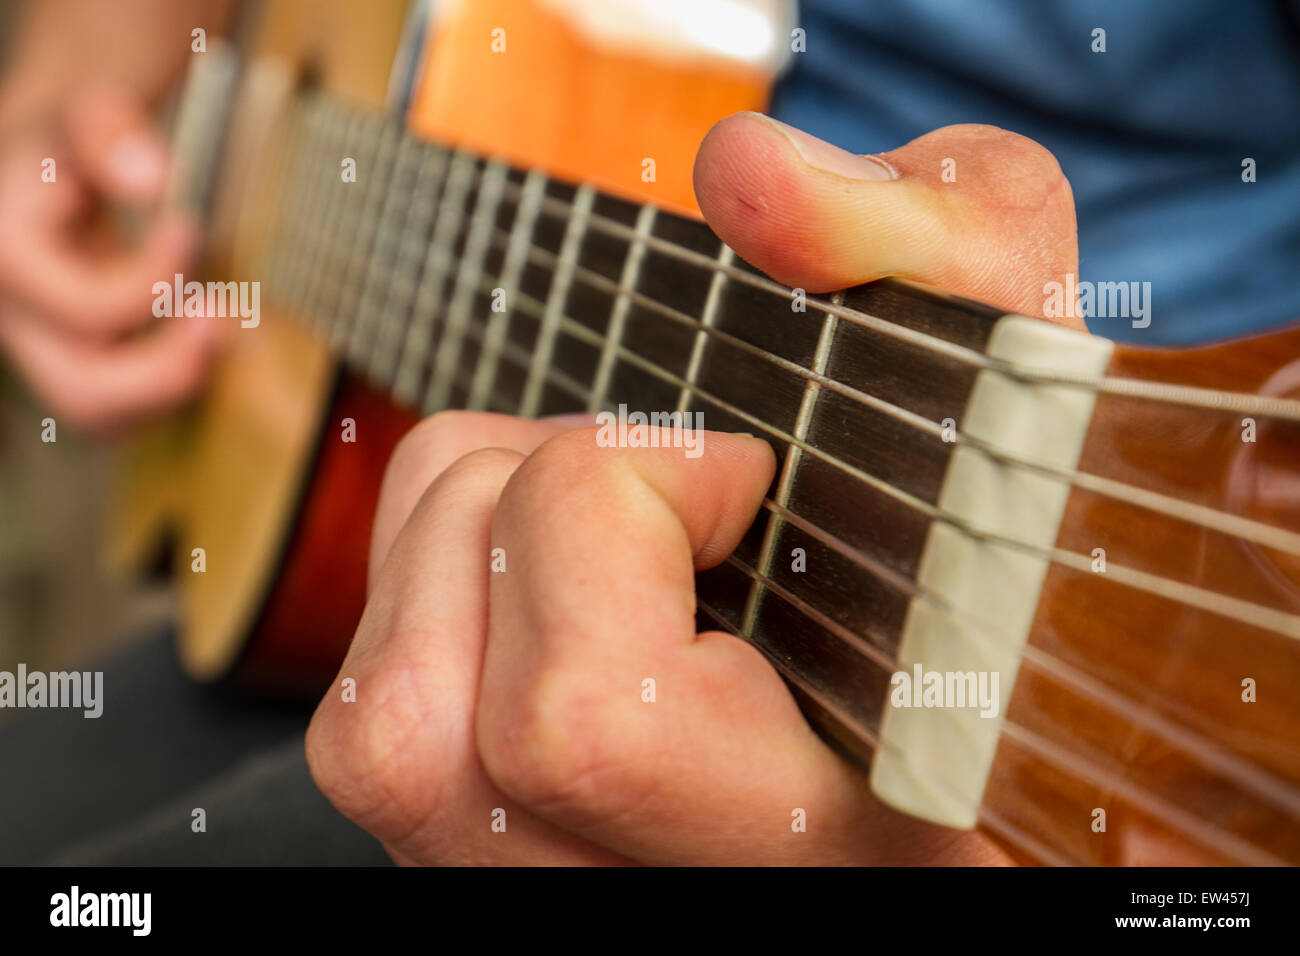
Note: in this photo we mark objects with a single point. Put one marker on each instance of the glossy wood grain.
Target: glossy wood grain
(1153, 727)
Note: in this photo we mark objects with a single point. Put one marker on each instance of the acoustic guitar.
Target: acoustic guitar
(1110, 530)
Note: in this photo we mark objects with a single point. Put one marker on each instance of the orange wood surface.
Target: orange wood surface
(556, 100)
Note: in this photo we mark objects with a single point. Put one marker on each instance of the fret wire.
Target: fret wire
(875, 655)
(832, 315)
(1011, 833)
(560, 279)
(622, 304)
(292, 181)
(889, 576)
(790, 466)
(1266, 406)
(711, 305)
(400, 294)
(310, 236)
(383, 249)
(1097, 484)
(477, 243)
(338, 195)
(1234, 525)
(330, 200)
(324, 209)
(437, 263)
(512, 270)
(1187, 395)
(1210, 834)
(512, 353)
(1260, 782)
(374, 155)
(1263, 785)
(1192, 595)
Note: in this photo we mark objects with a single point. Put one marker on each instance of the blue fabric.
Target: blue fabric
(1151, 133)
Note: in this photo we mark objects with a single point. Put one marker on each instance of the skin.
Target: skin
(75, 302)
(522, 690)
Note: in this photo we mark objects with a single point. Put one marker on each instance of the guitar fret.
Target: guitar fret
(582, 201)
(383, 248)
(322, 282)
(406, 267)
(373, 158)
(618, 317)
(516, 356)
(789, 467)
(319, 208)
(293, 182)
(477, 242)
(494, 340)
(437, 264)
(725, 257)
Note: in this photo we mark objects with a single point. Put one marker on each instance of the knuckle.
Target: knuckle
(355, 752)
(437, 440)
(998, 167)
(567, 464)
(553, 750)
(483, 466)
(1029, 172)
(426, 451)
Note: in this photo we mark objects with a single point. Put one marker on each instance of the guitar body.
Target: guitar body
(1128, 684)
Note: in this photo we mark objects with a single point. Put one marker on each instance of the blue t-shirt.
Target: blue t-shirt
(1152, 133)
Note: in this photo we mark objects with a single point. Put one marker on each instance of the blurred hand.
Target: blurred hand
(521, 691)
(75, 306)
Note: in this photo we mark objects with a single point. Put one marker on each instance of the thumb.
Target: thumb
(975, 210)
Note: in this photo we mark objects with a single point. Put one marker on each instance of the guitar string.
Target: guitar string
(1072, 764)
(1167, 392)
(1266, 785)
(1233, 525)
(761, 351)
(1236, 526)
(1205, 598)
(1260, 783)
(1017, 836)
(1171, 393)
(1188, 594)
(1260, 615)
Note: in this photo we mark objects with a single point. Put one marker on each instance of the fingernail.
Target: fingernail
(138, 162)
(820, 154)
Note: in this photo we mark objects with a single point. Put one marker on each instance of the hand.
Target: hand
(520, 691)
(75, 308)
